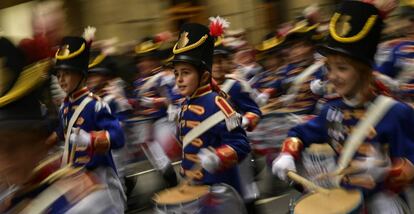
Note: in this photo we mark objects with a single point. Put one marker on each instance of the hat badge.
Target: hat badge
(64, 51)
(183, 40)
(343, 27)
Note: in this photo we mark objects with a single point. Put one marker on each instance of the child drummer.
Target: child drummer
(209, 156)
(86, 124)
(384, 159)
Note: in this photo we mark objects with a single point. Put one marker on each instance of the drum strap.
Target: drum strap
(376, 111)
(227, 85)
(79, 109)
(203, 127)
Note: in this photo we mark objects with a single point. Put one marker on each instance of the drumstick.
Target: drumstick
(346, 171)
(306, 183)
(349, 170)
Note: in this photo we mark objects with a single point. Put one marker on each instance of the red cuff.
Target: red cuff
(228, 156)
(253, 120)
(100, 141)
(134, 103)
(293, 146)
(400, 175)
(270, 91)
(159, 102)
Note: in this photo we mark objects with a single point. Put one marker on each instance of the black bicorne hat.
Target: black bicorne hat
(73, 54)
(100, 63)
(271, 43)
(301, 31)
(19, 98)
(148, 47)
(355, 31)
(195, 45)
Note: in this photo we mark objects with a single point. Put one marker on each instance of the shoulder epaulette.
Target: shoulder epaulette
(233, 119)
(224, 106)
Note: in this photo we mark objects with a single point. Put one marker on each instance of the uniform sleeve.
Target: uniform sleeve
(110, 124)
(402, 137)
(234, 146)
(401, 147)
(245, 104)
(388, 66)
(313, 131)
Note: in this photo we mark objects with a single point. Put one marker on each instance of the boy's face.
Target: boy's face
(343, 76)
(221, 67)
(68, 79)
(186, 78)
(94, 81)
(300, 51)
(146, 65)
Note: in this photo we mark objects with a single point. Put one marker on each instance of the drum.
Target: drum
(219, 198)
(337, 201)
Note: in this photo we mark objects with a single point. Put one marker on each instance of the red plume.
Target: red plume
(218, 25)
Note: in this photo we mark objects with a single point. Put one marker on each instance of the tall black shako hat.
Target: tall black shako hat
(149, 47)
(73, 52)
(101, 63)
(302, 30)
(355, 30)
(19, 100)
(195, 45)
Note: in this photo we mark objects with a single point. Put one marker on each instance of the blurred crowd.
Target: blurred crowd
(77, 113)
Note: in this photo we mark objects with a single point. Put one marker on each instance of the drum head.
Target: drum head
(337, 201)
(181, 194)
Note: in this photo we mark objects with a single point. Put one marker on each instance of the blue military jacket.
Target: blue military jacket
(392, 136)
(231, 146)
(96, 116)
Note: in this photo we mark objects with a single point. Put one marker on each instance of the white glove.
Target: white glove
(317, 87)
(209, 160)
(262, 99)
(374, 166)
(245, 122)
(282, 164)
(173, 112)
(80, 138)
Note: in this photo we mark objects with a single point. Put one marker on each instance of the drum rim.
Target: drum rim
(182, 202)
(358, 206)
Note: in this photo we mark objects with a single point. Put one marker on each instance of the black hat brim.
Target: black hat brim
(191, 60)
(326, 50)
(66, 67)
